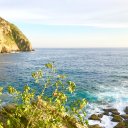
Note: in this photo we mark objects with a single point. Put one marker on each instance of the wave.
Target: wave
(105, 120)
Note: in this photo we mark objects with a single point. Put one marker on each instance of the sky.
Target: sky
(70, 23)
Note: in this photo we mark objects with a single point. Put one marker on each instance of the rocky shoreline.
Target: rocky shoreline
(119, 120)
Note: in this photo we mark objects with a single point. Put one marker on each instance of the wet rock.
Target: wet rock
(125, 116)
(100, 115)
(95, 126)
(106, 113)
(94, 117)
(126, 110)
(115, 112)
(111, 110)
(123, 124)
(126, 123)
(117, 118)
(120, 125)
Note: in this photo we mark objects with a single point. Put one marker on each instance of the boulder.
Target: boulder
(123, 124)
(117, 118)
(95, 126)
(125, 116)
(111, 110)
(100, 115)
(115, 112)
(126, 110)
(94, 117)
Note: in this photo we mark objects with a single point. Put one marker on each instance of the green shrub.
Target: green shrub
(45, 110)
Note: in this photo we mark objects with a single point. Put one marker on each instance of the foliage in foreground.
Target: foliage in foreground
(49, 108)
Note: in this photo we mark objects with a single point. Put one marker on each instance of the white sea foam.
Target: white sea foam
(105, 122)
(14, 52)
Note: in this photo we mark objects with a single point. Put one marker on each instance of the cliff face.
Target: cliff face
(12, 39)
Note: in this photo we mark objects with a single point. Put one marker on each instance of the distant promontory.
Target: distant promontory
(12, 39)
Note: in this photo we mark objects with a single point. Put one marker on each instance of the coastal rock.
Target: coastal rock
(111, 110)
(123, 124)
(115, 112)
(117, 118)
(12, 39)
(120, 125)
(126, 110)
(126, 123)
(100, 115)
(4, 49)
(125, 116)
(94, 117)
(106, 113)
(95, 126)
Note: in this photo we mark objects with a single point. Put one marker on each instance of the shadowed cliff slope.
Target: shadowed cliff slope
(12, 39)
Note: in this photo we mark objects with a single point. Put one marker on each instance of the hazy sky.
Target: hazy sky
(70, 23)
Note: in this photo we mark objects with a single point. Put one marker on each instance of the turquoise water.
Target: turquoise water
(101, 75)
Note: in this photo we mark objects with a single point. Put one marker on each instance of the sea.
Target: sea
(101, 74)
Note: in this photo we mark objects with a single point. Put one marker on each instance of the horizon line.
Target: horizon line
(79, 47)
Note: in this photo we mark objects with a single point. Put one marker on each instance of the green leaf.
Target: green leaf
(38, 74)
(71, 87)
(62, 76)
(47, 108)
(26, 88)
(83, 103)
(1, 90)
(49, 65)
(1, 125)
(11, 90)
(8, 122)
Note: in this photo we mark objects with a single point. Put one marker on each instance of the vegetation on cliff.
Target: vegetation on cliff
(50, 107)
(12, 39)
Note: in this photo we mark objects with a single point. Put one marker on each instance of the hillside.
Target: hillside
(12, 39)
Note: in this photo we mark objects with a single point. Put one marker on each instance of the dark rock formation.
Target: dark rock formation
(117, 118)
(123, 124)
(94, 117)
(125, 116)
(95, 126)
(126, 110)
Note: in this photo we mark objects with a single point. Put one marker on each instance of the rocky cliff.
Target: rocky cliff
(12, 39)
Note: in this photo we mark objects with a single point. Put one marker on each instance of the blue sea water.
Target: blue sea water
(101, 75)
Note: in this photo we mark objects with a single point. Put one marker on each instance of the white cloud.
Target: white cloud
(108, 19)
(99, 13)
